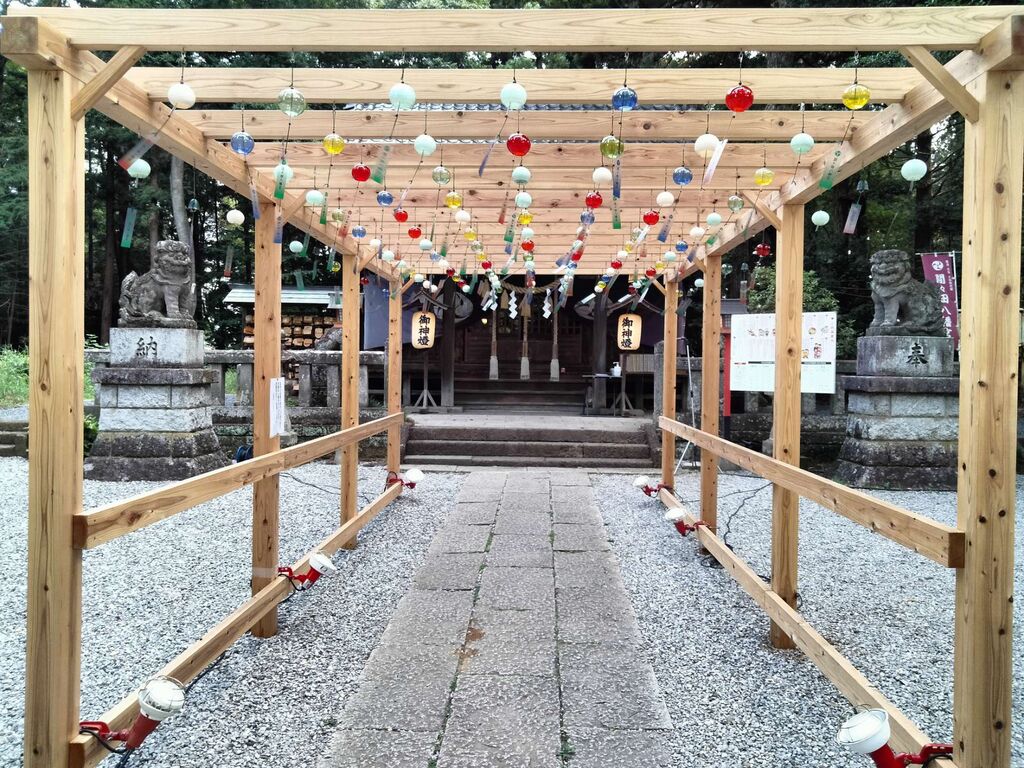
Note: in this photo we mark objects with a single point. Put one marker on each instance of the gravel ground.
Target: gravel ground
(887, 609)
(268, 702)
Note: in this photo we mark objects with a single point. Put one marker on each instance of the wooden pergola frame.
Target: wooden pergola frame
(984, 82)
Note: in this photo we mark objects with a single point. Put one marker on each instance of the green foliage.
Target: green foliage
(90, 428)
(13, 377)
(817, 298)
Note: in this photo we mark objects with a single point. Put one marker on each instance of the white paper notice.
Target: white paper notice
(277, 406)
(752, 353)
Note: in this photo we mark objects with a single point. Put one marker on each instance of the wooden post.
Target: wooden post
(524, 356)
(56, 189)
(492, 373)
(556, 367)
(394, 374)
(449, 296)
(668, 377)
(266, 497)
(710, 386)
(349, 385)
(982, 667)
(789, 299)
(599, 352)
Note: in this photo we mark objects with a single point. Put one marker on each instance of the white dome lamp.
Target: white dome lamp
(408, 480)
(319, 564)
(868, 732)
(644, 483)
(160, 697)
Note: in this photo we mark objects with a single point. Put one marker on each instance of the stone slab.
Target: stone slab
(917, 356)
(416, 702)
(156, 347)
(603, 748)
(588, 571)
(535, 523)
(595, 616)
(569, 494)
(479, 493)
(154, 376)
(474, 513)
(517, 589)
(577, 514)
(902, 427)
(580, 538)
(520, 551)
(360, 748)
(451, 571)
(525, 502)
(568, 478)
(499, 720)
(518, 642)
(939, 384)
(900, 453)
(431, 618)
(146, 445)
(609, 686)
(455, 537)
(154, 419)
(896, 478)
(158, 469)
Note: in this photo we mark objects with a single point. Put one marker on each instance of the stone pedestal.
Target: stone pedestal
(902, 415)
(155, 398)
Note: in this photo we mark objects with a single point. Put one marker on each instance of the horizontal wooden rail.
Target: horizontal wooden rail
(936, 541)
(98, 526)
(826, 657)
(87, 752)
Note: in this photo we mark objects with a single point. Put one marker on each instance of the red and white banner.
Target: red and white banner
(940, 269)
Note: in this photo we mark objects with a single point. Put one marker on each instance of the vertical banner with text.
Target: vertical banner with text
(940, 270)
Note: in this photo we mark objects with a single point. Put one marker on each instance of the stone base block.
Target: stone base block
(123, 456)
(155, 419)
(899, 453)
(156, 347)
(894, 478)
(904, 356)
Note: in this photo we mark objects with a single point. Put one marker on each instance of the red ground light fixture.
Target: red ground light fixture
(319, 564)
(867, 733)
(160, 697)
(408, 480)
(644, 484)
(678, 518)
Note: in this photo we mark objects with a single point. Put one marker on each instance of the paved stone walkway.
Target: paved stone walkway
(516, 646)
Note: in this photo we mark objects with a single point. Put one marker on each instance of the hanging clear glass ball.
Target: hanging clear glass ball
(291, 101)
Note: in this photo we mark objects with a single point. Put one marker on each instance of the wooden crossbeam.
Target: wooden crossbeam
(113, 71)
(559, 86)
(664, 156)
(942, 80)
(456, 123)
(706, 29)
(755, 202)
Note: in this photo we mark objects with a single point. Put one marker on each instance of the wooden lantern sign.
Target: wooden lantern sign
(628, 334)
(423, 330)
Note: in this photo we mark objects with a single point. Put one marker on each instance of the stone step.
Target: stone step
(526, 461)
(526, 433)
(18, 439)
(9, 450)
(529, 448)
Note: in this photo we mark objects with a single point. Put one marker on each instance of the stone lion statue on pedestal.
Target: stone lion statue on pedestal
(165, 295)
(903, 306)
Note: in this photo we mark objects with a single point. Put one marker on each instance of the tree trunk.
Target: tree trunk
(923, 219)
(178, 206)
(110, 270)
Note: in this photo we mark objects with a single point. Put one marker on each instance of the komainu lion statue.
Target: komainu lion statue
(164, 296)
(903, 306)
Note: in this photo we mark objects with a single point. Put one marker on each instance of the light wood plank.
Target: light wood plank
(906, 736)
(754, 201)
(640, 125)
(789, 298)
(668, 381)
(86, 752)
(986, 501)
(113, 71)
(266, 493)
(707, 29)
(710, 387)
(56, 210)
(107, 523)
(940, 543)
(796, 85)
(394, 374)
(942, 80)
(350, 343)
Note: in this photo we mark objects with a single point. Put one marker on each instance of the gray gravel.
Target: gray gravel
(733, 697)
(268, 702)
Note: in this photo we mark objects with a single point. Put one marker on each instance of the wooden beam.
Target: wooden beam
(789, 299)
(266, 493)
(710, 387)
(112, 71)
(755, 202)
(86, 752)
(452, 123)
(350, 343)
(56, 265)
(940, 543)
(986, 502)
(660, 155)
(906, 736)
(942, 81)
(668, 380)
(394, 374)
(107, 523)
(707, 29)
(796, 85)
